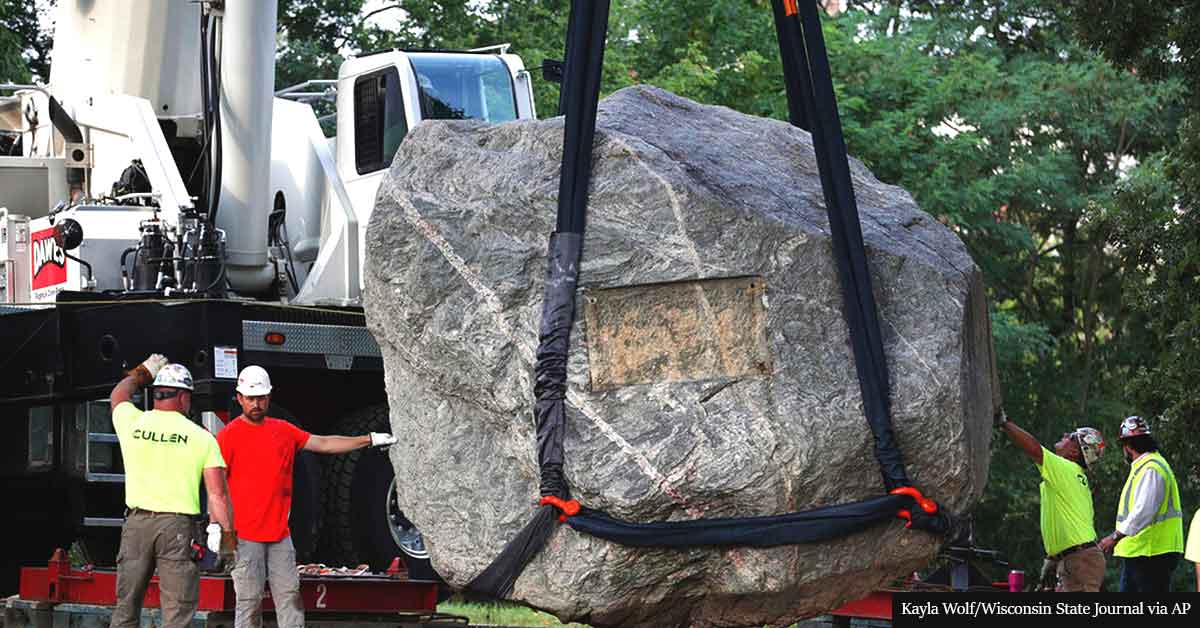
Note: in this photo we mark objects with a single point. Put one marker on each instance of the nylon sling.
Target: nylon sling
(811, 103)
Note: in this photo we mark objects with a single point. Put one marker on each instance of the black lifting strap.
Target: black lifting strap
(587, 29)
(810, 103)
(806, 72)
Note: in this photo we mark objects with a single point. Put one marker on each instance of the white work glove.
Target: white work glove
(381, 440)
(154, 363)
(214, 537)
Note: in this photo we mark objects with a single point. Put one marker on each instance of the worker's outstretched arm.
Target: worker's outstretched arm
(335, 444)
(141, 376)
(343, 444)
(217, 486)
(1023, 440)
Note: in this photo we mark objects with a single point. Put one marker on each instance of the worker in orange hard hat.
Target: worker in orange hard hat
(1068, 534)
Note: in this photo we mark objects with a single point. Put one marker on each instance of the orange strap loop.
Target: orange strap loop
(790, 8)
(569, 508)
(926, 504)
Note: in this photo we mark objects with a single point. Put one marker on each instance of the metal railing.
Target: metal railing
(301, 91)
(16, 87)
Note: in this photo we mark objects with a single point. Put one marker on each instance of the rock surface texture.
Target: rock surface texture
(738, 400)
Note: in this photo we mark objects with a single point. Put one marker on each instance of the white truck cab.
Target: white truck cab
(379, 98)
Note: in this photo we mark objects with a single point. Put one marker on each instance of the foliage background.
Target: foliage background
(1061, 141)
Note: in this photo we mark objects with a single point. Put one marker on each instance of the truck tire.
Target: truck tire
(363, 520)
(304, 521)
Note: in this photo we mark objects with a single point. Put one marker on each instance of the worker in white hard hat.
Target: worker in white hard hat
(260, 451)
(166, 456)
(1149, 534)
(1074, 562)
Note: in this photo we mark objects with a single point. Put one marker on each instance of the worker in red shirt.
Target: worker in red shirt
(259, 451)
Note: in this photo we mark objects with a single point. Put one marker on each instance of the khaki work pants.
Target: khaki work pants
(1082, 570)
(161, 541)
(257, 564)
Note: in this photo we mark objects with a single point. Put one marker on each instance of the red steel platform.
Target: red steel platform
(58, 582)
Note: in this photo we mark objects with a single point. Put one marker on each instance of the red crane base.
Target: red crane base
(58, 582)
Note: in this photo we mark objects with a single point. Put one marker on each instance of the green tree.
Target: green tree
(12, 66)
(1154, 230)
(24, 46)
(310, 37)
(1005, 128)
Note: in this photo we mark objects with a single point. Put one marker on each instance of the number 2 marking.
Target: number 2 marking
(321, 591)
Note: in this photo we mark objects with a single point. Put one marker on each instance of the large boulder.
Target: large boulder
(710, 372)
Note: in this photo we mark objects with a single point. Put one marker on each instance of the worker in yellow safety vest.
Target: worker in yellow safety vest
(1149, 534)
(1193, 546)
(1068, 532)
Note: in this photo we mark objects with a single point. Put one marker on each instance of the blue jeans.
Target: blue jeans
(1148, 574)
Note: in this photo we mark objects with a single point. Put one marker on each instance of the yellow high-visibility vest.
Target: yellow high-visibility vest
(1165, 532)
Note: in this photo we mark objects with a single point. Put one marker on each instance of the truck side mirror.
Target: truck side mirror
(552, 70)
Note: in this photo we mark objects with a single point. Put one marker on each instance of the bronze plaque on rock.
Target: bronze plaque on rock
(679, 331)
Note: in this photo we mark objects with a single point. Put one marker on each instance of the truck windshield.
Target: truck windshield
(464, 87)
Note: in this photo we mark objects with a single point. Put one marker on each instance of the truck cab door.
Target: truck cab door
(376, 108)
(381, 97)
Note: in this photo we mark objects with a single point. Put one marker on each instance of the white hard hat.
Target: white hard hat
(254, 381)
(173, 376)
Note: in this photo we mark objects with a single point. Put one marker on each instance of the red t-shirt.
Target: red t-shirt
(259, 459)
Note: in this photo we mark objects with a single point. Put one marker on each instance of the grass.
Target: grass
(500, 613)
(508, 614)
